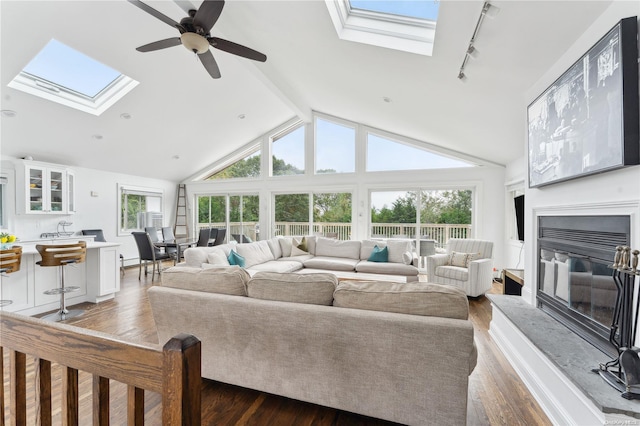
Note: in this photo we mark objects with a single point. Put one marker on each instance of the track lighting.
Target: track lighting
(487, 10)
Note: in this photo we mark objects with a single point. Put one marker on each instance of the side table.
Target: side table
(512, 280)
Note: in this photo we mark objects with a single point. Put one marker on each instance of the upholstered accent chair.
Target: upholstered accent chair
(468, 265)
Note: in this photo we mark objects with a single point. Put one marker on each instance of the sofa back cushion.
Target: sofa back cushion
(366, 247)
(463, 245)
(315, 289)
(255, 253)
(286, 243)
(274, 245)
(225, 280)
(397, 249)
(411, 298)
(336, 248)
(196, 256)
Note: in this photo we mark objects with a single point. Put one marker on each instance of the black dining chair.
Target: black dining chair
(147, 252)
(99, 236)
(221, 233)
(203, 238)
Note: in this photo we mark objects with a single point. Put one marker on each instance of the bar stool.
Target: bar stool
(9, 263)
(62, 255)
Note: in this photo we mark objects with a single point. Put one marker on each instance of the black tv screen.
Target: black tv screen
(586, 122)
(518, 203)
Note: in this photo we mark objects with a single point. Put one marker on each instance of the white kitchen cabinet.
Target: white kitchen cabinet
(48, 189)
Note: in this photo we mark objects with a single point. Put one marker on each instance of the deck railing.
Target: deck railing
(342, 231)
(173, 371)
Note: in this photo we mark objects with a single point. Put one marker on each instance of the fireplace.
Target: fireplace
(575, 281)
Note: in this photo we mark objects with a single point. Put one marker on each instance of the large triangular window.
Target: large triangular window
(246, 167)
(384, 154)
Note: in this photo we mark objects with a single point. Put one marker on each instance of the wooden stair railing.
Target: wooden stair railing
(172, 371)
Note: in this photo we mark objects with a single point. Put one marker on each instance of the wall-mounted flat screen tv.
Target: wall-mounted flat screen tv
(586, 122)
(518, 204)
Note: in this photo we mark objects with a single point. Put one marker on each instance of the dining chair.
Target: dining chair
(167, 234)
(221, 233)
(147, 252)
(98, 235)
(203, 238)
(153, 234)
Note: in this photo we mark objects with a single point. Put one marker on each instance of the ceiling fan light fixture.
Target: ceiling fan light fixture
(194, 42)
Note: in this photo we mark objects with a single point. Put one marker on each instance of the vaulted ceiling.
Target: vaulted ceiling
(179, 110)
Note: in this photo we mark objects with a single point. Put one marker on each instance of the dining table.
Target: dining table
(180, 244)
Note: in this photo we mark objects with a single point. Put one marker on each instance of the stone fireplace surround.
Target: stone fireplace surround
(552, 361)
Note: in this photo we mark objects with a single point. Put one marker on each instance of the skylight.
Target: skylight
(409, 26)
(61, 74)
(411, 9)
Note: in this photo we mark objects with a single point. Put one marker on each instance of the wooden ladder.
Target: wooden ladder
(181, 227)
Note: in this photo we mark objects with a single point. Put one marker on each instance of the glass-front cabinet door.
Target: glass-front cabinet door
(50, 190)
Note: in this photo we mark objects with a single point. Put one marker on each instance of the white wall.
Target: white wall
(615, 191)
(91, 212)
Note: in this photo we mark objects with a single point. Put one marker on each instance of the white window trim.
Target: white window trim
(381, 29)
(139, 190)
(50, 91)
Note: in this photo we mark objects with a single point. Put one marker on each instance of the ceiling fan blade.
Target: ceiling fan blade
(236, 49)
(185, 5)
(208, 14)
(152, 11)
(160, 44)
(209, 63)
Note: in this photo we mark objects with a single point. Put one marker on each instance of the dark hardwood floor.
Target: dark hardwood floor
(496, 394)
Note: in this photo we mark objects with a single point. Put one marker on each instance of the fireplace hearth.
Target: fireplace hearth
(575, 279)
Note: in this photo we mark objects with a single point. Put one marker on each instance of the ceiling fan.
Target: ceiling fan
(195, 34)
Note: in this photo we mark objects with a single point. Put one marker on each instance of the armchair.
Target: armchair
(475, 279)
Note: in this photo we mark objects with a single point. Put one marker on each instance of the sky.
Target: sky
(60, 64)
(416, 9)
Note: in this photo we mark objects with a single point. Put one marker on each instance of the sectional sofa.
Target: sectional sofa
(309, 254)
(399, 352)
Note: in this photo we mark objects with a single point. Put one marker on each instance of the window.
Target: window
(385, 154)
(139, 207)
(444, 214)
(247, 167)
(330, 214)
(61, 74)
(410, 9)
(242, 222)
(287, 150)
(335, 147)
(409, 26)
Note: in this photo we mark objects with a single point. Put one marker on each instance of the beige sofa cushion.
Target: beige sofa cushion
(397, 248)
(255, 253)
(196, 256)
(316, 289)
(225, 280)
(329, 247)
(411, 298)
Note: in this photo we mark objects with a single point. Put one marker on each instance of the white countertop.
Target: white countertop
(29, 247)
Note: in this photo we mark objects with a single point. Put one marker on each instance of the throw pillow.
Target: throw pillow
(407, 258)
(297, 251)
(303, 245)
(458, 259)
(462, 260)
(217, 258)
(235, 259)
(379, 254)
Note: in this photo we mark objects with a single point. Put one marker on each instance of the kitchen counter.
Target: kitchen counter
(98, 277)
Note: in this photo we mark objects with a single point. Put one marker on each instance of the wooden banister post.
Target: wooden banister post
(18, 361)
(182, 381)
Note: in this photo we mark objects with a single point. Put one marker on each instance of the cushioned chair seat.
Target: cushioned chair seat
(276, 266)
(389, 268)
(331, 263)
(453, 272)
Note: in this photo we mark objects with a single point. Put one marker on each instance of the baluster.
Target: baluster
(18, 400)
(1, 387)
(43, 391)
(70, 396)
(135, 406)
(100, 401)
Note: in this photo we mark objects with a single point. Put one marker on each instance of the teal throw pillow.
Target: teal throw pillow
(379, 255)
(235, 259)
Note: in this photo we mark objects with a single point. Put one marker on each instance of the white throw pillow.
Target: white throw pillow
(217, 258)
(397, 248)
(407, 258)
